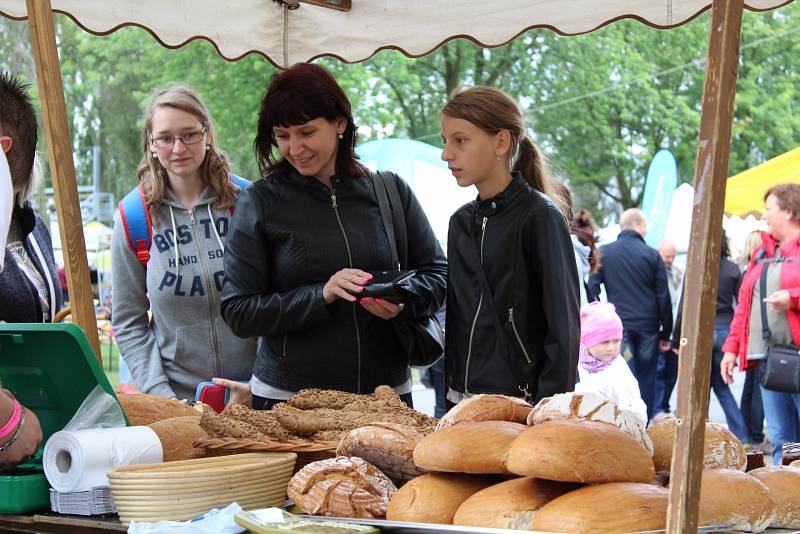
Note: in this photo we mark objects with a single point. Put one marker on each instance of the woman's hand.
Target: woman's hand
(240, 393)
(382, 308)
(347, 279)
(26, 444)
(779, 301)
(726, 367)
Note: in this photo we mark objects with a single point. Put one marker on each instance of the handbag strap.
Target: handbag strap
(394, 219)
(486, 289)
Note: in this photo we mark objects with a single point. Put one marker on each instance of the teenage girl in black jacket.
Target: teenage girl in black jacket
(512, 305)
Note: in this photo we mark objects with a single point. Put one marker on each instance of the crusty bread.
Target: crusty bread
(177, 434)
(468, 447)
(604, 508)
(723, 450)
(435, 497)
(341, 487)
(572, 450)
(784, 486)
(387, 446)
(143, 409)
(590, 407)
(486, 408)
(511, 504)
(731, 497)
(795, 464)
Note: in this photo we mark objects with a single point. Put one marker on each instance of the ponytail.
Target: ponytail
(530, 163)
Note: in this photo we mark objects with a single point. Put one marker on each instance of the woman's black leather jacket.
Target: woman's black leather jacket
(289, 234)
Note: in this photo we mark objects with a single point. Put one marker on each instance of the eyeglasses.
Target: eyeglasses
(189, 138)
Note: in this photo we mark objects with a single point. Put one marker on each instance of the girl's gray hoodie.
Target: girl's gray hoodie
(186, 341)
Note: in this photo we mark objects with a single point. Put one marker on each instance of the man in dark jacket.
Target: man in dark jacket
(635, 281)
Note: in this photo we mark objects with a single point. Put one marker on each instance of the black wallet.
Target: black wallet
(388, 285)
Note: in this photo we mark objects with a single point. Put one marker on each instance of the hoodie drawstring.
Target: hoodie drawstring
(175, 238)
(214, 226)
(45, 274)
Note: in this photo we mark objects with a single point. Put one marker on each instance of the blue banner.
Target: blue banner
(662, 179)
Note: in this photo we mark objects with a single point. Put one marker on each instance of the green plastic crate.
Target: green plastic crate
(51, 369)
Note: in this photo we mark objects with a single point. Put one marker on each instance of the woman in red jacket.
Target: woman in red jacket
(782, 297)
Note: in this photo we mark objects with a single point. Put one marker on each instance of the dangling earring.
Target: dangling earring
(341, 136)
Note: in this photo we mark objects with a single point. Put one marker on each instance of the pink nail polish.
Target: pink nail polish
(352, 298)
(366, 299)
(379, 301)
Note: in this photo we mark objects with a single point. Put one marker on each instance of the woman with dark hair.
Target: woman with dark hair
(777, 258)
(304, 242)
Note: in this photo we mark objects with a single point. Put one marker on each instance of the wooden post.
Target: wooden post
(702, 273)
(62, 168)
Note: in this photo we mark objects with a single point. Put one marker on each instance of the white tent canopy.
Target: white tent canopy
(287, 36)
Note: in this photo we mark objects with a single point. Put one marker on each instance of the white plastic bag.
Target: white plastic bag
(214, 522)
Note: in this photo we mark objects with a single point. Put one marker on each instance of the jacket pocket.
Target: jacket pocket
(516, 339)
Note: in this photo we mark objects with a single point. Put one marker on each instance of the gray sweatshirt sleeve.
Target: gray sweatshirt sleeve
(130, 322)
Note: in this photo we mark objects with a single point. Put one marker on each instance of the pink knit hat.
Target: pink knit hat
(599, 323)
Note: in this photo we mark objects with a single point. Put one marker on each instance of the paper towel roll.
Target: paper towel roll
(79, 460)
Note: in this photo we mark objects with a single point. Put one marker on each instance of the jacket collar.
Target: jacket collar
(630, 233)
(492, 206)
(789, 248)
(25, 218)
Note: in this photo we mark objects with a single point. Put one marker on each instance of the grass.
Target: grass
(110, 351)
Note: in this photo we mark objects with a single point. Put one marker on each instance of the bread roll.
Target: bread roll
(486, 408)
(435, 497)
(468, 447)
(795, 464)
(177, 434)
(511, 504)
(387, 446)
(143, 409)
(603, 508)
(723, 450)
(590, 407)
(341, 487)
(731, 497)
(574, 450)
(784, 486)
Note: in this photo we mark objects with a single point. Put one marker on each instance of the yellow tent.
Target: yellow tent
(745, 191)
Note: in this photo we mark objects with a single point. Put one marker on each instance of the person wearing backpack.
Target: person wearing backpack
(513, 325)
(167, 251)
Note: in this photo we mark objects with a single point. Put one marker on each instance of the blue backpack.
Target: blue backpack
(136, 219)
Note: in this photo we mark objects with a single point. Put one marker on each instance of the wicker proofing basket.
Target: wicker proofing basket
(185, 489)
(307, 451)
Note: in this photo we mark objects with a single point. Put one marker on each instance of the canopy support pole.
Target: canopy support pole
(702, 273)
(62, 168)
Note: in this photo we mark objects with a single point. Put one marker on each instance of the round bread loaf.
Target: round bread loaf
(478, 448)
(341, 487)
(784, 486)
(723, 450)
(572, 450)
(603, 508)
(732, 497)
(589, 407)
(435, 497)
(486, 408)
(795, 464)
(387, 446)
(177, 435)
(511, 504)
(143, 409)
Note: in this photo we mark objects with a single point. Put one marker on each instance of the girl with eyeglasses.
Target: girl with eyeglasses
(188, 195)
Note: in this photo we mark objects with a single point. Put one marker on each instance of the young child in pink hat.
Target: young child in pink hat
(601, 368)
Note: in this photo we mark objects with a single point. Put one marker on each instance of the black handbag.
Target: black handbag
(423, 338)
(781, 369)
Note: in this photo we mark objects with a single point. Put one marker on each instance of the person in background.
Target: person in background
(513, 326)
(190, 197)
(636, 283)
(29, 287)
(730, 278)
(303, 243)
(601, 368)
(667, 373)
(745, 343)
(750, 404)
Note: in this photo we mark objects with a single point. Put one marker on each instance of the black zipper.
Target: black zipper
(477, 311)
(516, 334)
(350, 259)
